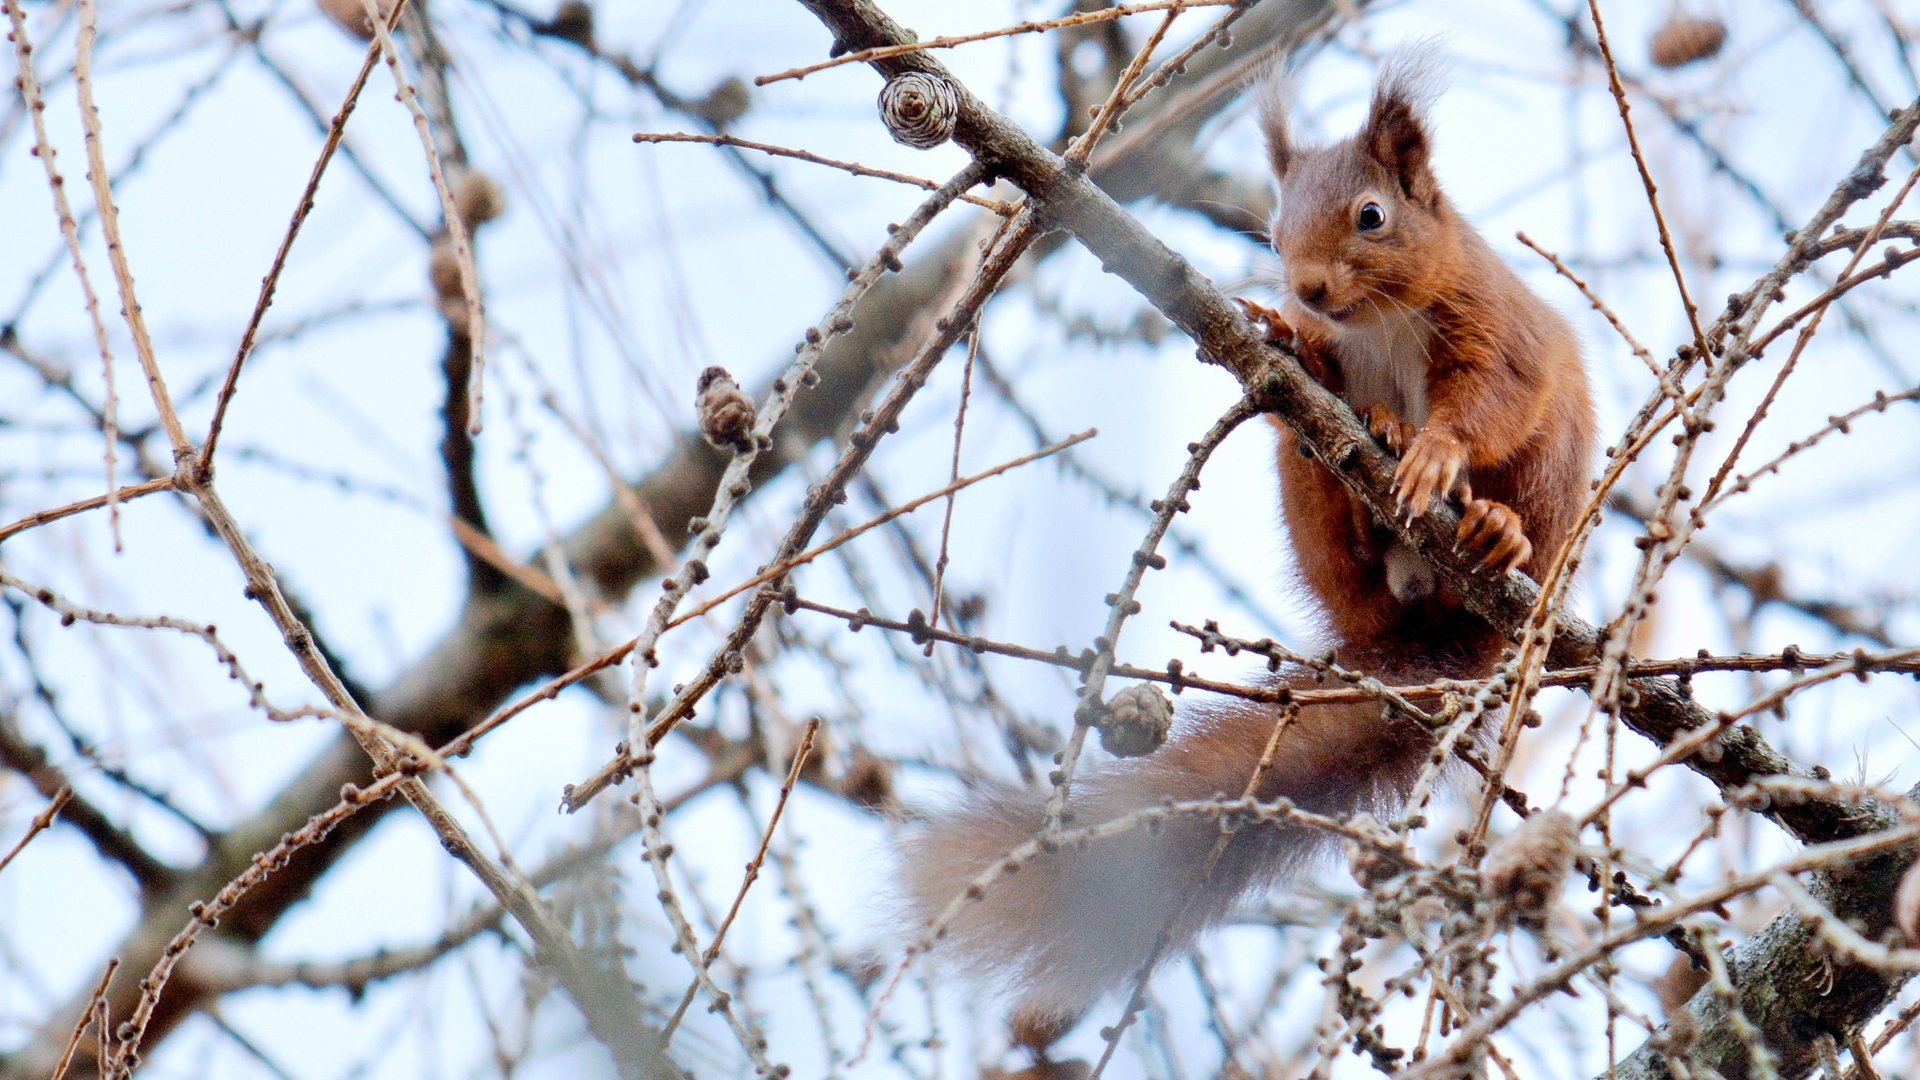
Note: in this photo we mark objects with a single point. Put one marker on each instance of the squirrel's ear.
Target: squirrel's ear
(1270, 101)
(1396, 133)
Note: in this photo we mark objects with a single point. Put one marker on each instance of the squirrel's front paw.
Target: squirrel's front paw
(1385, 425)
(1271, 322)
(1434, 462)
(1492, 534)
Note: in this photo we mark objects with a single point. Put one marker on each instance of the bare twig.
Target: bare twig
(854, 167)
(29, 85)
(80, 506)
(1646, 177)
(1078, 18)
(335, 130)
(734, 483)
(110, 229)
(38, 825)
(1121, 605)
(95, 1011)
(753, 869)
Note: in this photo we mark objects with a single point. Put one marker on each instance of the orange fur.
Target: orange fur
(1077, 923)
(1412, 320)
(1419, 317)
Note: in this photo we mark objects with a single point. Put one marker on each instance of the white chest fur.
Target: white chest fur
(1384, 362)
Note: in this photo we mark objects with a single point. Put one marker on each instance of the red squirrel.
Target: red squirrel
(1394, 303)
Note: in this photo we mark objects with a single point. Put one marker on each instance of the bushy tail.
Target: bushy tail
(1073, 924)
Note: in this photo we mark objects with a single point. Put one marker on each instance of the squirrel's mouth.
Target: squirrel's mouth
(1319, 308)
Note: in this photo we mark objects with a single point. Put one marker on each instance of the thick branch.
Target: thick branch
(1792, 986)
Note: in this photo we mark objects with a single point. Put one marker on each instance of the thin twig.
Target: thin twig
(456, 225)
(751, 1041)
(1805, 336)
(1646, 177)
(735, 482)
(336, 129)
(953, 475)
(1079, 18)
(111, 499)
(96, 1003)
(110, 230)
(1661, 375)
(753, 869)
(787, 566)
(1121, 604)
(798, 154)
(1108, 112)
(70, 232)
(38, 825)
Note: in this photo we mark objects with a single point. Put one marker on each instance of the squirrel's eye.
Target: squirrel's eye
(1372, 217)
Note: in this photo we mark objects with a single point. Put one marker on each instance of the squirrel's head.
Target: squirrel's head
(1360, 222)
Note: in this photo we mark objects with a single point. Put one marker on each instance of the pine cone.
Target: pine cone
(1136, 721)
(1684, 39)
(1524, 872)
(725, 414)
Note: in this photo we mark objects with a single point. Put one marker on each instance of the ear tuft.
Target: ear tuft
(1396, 133)
(1270, 97)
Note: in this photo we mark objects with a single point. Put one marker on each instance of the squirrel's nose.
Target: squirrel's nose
(1312, 293)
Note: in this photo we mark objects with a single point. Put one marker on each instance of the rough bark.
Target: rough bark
(1789, 984)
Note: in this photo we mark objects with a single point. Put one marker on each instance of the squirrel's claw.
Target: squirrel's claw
(1493, 534)
(1392, 432)
(1271, 322)
(1433, 464)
